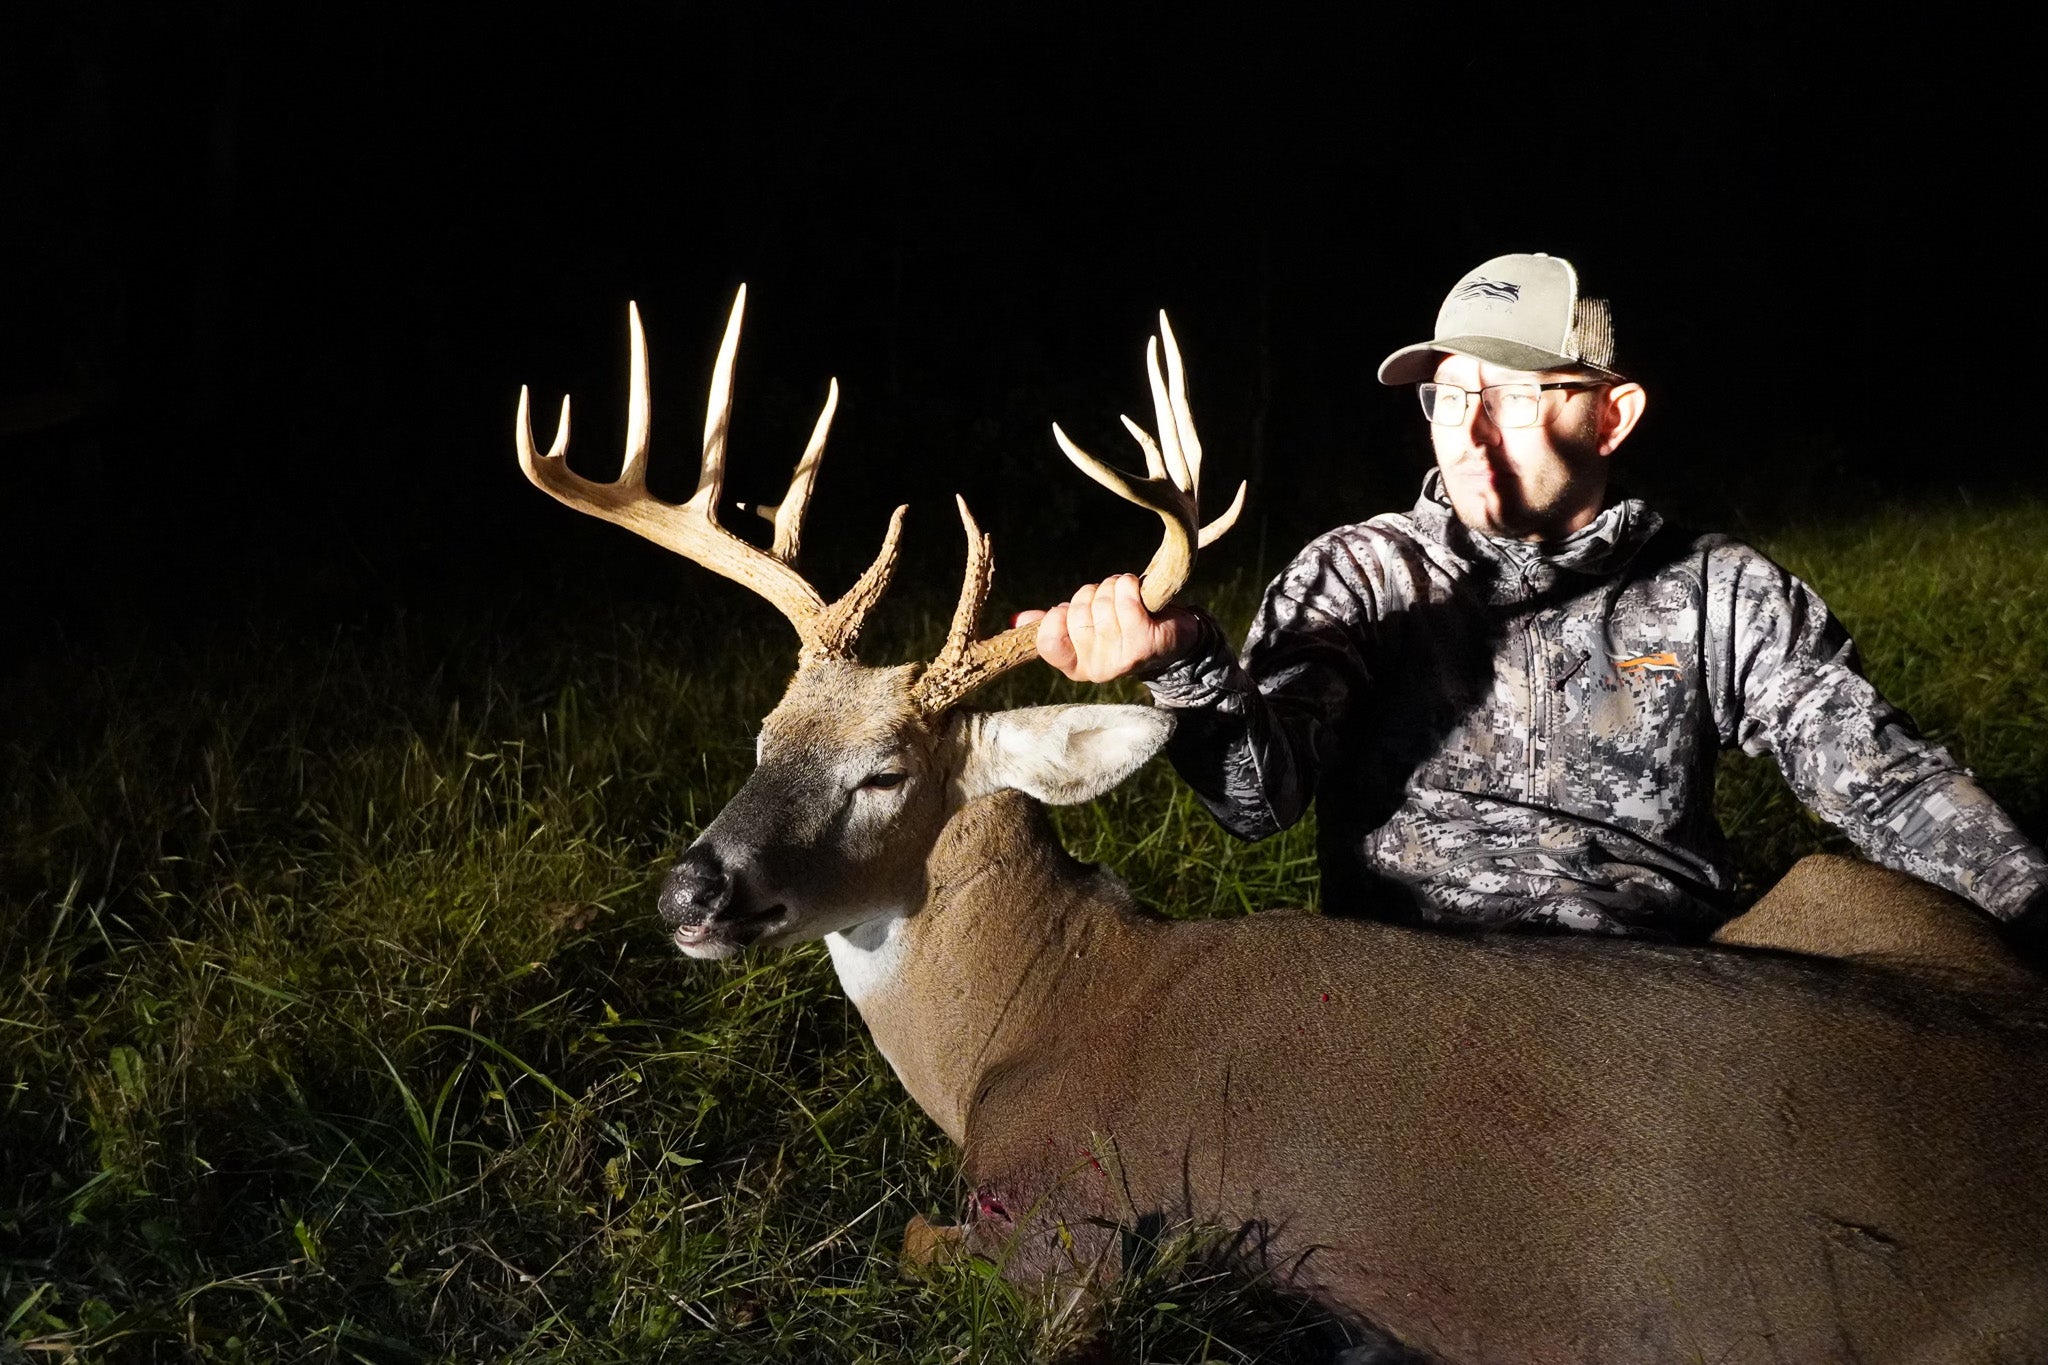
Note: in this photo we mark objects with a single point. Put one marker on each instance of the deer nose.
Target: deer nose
(695, 890)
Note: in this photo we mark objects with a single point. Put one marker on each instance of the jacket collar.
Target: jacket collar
(1602, 546)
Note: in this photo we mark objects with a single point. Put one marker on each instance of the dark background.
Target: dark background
(273, 275)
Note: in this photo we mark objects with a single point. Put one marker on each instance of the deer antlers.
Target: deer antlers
(691, 529)
(1172, 489)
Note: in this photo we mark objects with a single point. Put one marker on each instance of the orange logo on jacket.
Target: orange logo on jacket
(1667, 662)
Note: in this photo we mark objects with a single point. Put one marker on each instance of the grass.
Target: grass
(336, 1025)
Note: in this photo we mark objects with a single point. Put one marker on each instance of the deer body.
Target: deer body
(1503, 1149)
(1512, 1149)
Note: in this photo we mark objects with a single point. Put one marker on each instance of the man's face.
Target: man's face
(1540, 482)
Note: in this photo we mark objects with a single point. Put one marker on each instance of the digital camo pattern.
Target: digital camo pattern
(1496, 731)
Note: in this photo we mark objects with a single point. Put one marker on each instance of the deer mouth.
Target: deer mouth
(729, 932)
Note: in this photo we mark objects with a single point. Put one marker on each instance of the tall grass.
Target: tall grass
(336, 1025)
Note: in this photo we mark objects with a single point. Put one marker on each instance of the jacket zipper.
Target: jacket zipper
(1539, 716)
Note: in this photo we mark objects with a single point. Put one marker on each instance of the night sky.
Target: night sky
(271, 276)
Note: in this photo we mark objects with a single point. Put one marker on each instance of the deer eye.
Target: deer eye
(883, 781)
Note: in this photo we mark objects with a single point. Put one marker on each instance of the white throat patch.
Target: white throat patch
(868, 955)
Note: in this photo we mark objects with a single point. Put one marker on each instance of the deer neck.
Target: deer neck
(1013, 940)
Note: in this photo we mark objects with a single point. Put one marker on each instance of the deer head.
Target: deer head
(859, 767)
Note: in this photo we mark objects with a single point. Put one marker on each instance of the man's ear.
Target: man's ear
(1057, 754)
(1625, 404)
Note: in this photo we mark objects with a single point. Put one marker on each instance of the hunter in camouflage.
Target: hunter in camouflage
(1496, 731)
(1508, 702)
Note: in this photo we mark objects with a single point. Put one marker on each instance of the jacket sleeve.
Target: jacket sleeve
(1788, 683)
(1251, 734)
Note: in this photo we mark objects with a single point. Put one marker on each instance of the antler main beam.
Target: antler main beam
(691, 528)
(1172, 489)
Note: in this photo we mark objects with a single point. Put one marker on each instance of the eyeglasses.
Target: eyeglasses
(1507, 405)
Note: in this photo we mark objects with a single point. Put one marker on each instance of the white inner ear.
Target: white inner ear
(1057, 754)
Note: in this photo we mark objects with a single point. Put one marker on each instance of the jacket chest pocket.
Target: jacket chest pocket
(1624, 722)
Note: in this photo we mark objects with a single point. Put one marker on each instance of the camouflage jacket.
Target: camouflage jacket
(1496, 731)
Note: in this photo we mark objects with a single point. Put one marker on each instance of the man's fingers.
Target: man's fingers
(1081, 617)
(1026, 618)
(1136, 623)
(1109, 624)
(1105, 632)
(1055, 645)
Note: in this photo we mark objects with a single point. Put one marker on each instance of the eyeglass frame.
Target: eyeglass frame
(1481, 392)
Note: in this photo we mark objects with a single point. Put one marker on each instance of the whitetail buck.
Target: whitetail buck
(1493, 1149)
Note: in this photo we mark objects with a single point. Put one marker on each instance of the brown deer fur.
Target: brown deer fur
(1511, 1149)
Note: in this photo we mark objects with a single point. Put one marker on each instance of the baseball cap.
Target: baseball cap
(1522, 312)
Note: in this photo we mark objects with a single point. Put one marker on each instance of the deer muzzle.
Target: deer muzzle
(701, 904)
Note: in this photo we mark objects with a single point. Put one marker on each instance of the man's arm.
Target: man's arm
(1788, 683)
(1250, 736)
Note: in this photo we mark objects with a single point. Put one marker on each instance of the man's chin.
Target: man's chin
(1494, 518)
(1488, 522)
(1477, 505)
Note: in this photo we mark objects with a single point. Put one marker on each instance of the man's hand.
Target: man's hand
(1106, 633)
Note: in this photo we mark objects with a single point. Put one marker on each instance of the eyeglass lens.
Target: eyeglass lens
(1507, 405)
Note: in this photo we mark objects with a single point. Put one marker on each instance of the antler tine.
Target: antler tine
(974, 585)
(840, 629)
(1155, 465)
(633, 471)
(787, 516)
(522, 435)
(1176, 375)
(691, 529)
(1190, 444)
(1174, 466)
(1215, 530)
(718, 413)
(964, 662)
(790, 512)
(1168, 407)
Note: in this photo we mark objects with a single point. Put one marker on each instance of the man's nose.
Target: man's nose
(1479, 425)
(1478, 433)
(696, 889)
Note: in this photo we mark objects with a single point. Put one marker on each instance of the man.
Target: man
(1508, 701)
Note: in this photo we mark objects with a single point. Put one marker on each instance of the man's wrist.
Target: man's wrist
(1193, 627)
(1192, 676)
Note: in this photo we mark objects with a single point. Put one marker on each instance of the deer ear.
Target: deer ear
(1057, 754)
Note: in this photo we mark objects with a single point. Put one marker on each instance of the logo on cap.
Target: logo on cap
(1483, 288)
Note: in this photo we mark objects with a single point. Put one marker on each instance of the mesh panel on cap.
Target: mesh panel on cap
(1592, 338)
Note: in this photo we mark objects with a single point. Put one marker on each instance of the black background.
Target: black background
(273, 275)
